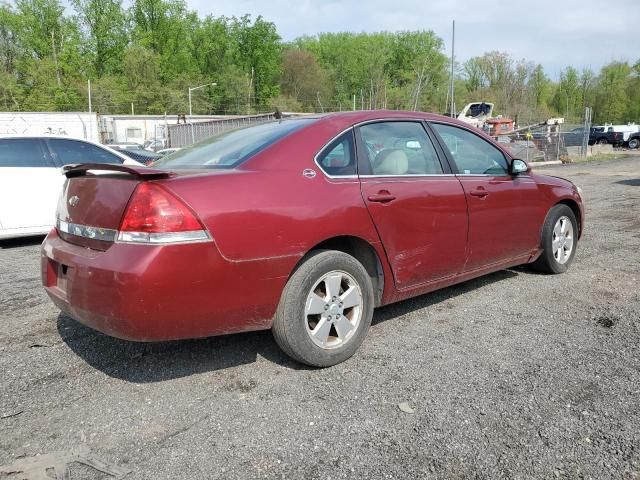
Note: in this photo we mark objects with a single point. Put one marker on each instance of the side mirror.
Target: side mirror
(519, 166)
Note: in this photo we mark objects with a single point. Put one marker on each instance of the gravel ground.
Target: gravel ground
(514, 375)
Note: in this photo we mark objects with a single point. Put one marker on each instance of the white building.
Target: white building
(127, 129)
(75, 124)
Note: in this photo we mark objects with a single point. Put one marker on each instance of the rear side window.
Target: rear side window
(338, 158)
(22, 152)
(231, 148)
(68, 152)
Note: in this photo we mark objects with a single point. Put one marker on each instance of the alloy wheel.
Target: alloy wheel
(562, 240)
(333, 310)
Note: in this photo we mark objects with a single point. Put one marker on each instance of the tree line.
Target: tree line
(144, 58)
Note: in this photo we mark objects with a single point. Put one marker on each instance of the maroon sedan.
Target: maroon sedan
(303, 226)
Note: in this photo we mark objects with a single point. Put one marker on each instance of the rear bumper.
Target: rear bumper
(153, 293)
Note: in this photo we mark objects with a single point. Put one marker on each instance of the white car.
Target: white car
(31, 178)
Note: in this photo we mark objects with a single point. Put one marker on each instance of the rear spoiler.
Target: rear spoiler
(141, 173)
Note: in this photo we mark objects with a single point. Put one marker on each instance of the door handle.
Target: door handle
(479, 192)
(381, 197)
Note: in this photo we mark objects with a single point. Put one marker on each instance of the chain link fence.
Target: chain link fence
(185, 134)
(546, 142)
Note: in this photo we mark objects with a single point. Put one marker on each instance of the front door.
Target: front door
(504, 210)
(417, 205)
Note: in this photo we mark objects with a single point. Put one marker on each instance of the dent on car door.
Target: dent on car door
(26, 179)
(503, 209)
(417, 205)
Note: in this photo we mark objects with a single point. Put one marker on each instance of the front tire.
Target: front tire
(602, 141)
(559, 240)
(325, 310)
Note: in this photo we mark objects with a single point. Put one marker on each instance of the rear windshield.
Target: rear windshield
(229, 149)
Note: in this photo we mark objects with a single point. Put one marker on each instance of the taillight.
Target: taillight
(155, 215)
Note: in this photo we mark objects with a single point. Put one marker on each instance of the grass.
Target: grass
(598, 157)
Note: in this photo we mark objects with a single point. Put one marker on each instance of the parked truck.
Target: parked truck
(634, 141)
(605, 134)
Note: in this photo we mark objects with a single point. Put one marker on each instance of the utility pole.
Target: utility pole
(191, 89)
(453, 43)
(354, 102)
(89, 88)
(320, 103)
(385, 95)
(371, 96)
(90, 120)
(55, 57)
(249, 95)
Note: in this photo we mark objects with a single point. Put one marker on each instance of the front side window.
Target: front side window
(399, 148)
(339, 158)
(231, 148)
(22, 152)
(70, 152)
(472, 155)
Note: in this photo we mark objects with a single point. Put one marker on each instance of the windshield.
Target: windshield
(229, 149)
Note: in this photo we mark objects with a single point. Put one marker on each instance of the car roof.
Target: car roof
(52, 135)
(346, 119)
(64, 137)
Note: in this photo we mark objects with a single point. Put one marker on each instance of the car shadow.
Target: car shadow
(21, 242)
(155, 362)
(394, 310)
(632, 182)
(141, 362)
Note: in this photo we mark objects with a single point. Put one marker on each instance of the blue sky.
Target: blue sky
(555, 33)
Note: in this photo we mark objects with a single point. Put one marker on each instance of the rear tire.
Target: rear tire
(325, 310)
(634, 143)
(559, 241)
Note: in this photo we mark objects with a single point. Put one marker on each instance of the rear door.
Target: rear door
(29, 184)
(504, 210)
(416, 203)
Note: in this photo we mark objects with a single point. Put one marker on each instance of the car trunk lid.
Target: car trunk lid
(94, 199)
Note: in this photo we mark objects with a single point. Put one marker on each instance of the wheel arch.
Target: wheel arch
(575, 208)
(362, 251)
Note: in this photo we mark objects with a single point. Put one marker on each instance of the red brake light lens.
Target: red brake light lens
(153, 209)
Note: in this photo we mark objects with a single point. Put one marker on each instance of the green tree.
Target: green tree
(258, 53)
(474, 71)
(9, 51)
(540, 86)
(165, 27)
(418, 66)
(568, 98)
(303, 80)
(611, 98)
(104, 23)
(633, 95)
